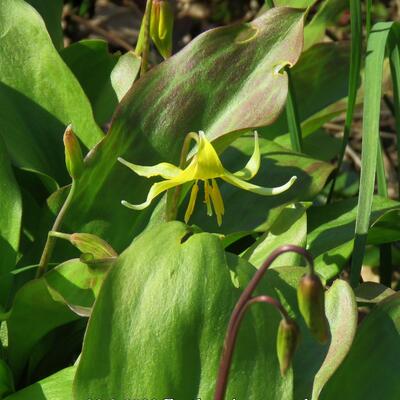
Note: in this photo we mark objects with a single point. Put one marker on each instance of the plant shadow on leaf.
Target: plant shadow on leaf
(35, 141)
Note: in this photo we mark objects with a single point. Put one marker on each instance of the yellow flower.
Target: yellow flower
(207, 167)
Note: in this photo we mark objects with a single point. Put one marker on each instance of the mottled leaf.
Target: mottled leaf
(223, 81)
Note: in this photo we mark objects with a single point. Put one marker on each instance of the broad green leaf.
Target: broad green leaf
(341, 311)
(54, 387)
(76, 284)
(39, 95)
(321, 145)
(51, 12)
(289, 228)
(124, 73)
(199, 88)
(33, 315)
(92, 64)
(257, 212)
(327, 15)
(331, 231)
(168, 301)
(6, 380)
(10, 213)
(370, 370)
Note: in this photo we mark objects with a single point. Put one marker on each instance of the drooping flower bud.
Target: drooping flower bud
(161, 26)
(73, 154)
(286, 343)
(311, 298)
(91, 244)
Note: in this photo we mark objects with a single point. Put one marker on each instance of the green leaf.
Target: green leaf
(170, 291)
(10, 213)
(371, 113)
(6, 380)
(370, 370)
(341, 311)
(33, 315)
(124, 73)
(54, 387)
(51, 12)
(76, 284)
(331, 231)
(39, 95)
(327, 15)
(289, 228)
(92, 64)
(199, 88)
(256, 212)
(294, 3)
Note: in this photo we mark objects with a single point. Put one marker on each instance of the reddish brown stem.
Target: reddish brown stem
(241, 307)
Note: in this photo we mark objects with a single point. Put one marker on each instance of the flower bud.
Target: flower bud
(286, 343)
(311, 298)
(73, 154)
(161, 26)
(92, 245)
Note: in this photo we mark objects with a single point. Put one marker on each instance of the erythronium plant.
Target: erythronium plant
(205, 166)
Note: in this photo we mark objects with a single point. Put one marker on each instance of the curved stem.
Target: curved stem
(242, 305)
(230, 341)
(173, 195)
(50, 242)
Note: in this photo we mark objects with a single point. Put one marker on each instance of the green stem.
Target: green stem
(173, 195)
(144, 37)
(293, 116)
(354, 76)
(368, 17)
(60, 235)
(50, 242)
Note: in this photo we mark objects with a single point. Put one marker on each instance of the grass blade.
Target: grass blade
(354, 79)
(292, 115)
(370, 143)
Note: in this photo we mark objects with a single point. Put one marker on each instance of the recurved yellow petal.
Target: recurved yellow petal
(263, 191)
(155, 190)
(166, 170)
(253, 165)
